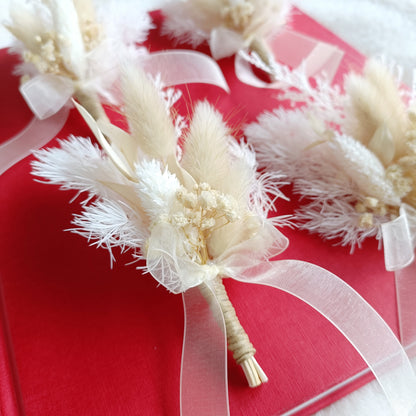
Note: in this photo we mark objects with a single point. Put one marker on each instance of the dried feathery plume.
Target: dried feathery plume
(353, 157)
(189, 219)
(249, 22)
(70, 41)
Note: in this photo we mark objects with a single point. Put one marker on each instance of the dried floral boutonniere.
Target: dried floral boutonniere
(352, 156)
(187, 219)
(197, 219)
(228, 25)
(70, 48)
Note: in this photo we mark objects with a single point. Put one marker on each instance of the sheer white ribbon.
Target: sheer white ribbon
(204, 375)
(399, 240)
(48, 96)
(289, 47)
(184, 67)
(35, 135)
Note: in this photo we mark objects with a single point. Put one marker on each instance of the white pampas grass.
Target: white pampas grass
(365, 169)
(77, 164)
(68, 36)
(109, 223)
(350, 155)
(374, 100)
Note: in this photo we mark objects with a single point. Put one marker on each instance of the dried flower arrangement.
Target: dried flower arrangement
(187, 219)
(351, 155)
(78, 49)
(228, 25)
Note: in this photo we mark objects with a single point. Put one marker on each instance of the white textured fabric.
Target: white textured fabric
(371, 26)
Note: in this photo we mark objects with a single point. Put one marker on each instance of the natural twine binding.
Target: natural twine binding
(238, 341)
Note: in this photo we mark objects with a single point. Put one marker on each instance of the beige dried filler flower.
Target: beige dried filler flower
(190, 220)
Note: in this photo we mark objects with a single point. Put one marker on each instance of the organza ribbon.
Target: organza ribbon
(399, 240)
(291, 48)
(184, 67)
(48, 96)
(35, 135)
(204, 389)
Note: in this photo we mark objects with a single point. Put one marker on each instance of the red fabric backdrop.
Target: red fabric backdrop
(79, 338)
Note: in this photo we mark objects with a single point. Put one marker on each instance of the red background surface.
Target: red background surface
(80, 338)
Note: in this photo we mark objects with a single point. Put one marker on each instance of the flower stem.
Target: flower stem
(237, 338)
(262, 50)
(92, 104)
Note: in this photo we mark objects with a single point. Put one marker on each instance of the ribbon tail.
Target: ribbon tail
(184, 67)
(204, 384)
(398, 241)
(34, 136)
(353, 317)
(406, 304)
(291, 50)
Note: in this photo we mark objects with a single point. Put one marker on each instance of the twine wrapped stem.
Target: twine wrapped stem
(238, 341)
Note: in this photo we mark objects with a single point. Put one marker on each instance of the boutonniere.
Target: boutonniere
(70, 48)
(351, 156)
(228, 26)
(193, 220)
(187, 219)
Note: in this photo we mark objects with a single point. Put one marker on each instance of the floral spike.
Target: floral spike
(180, 217)
(353, 155)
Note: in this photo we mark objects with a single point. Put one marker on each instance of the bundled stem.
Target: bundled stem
(238, 341)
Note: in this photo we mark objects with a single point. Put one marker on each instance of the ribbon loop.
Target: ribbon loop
(296, 51)
(398, 240)
(46, 94)
(180, 67)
